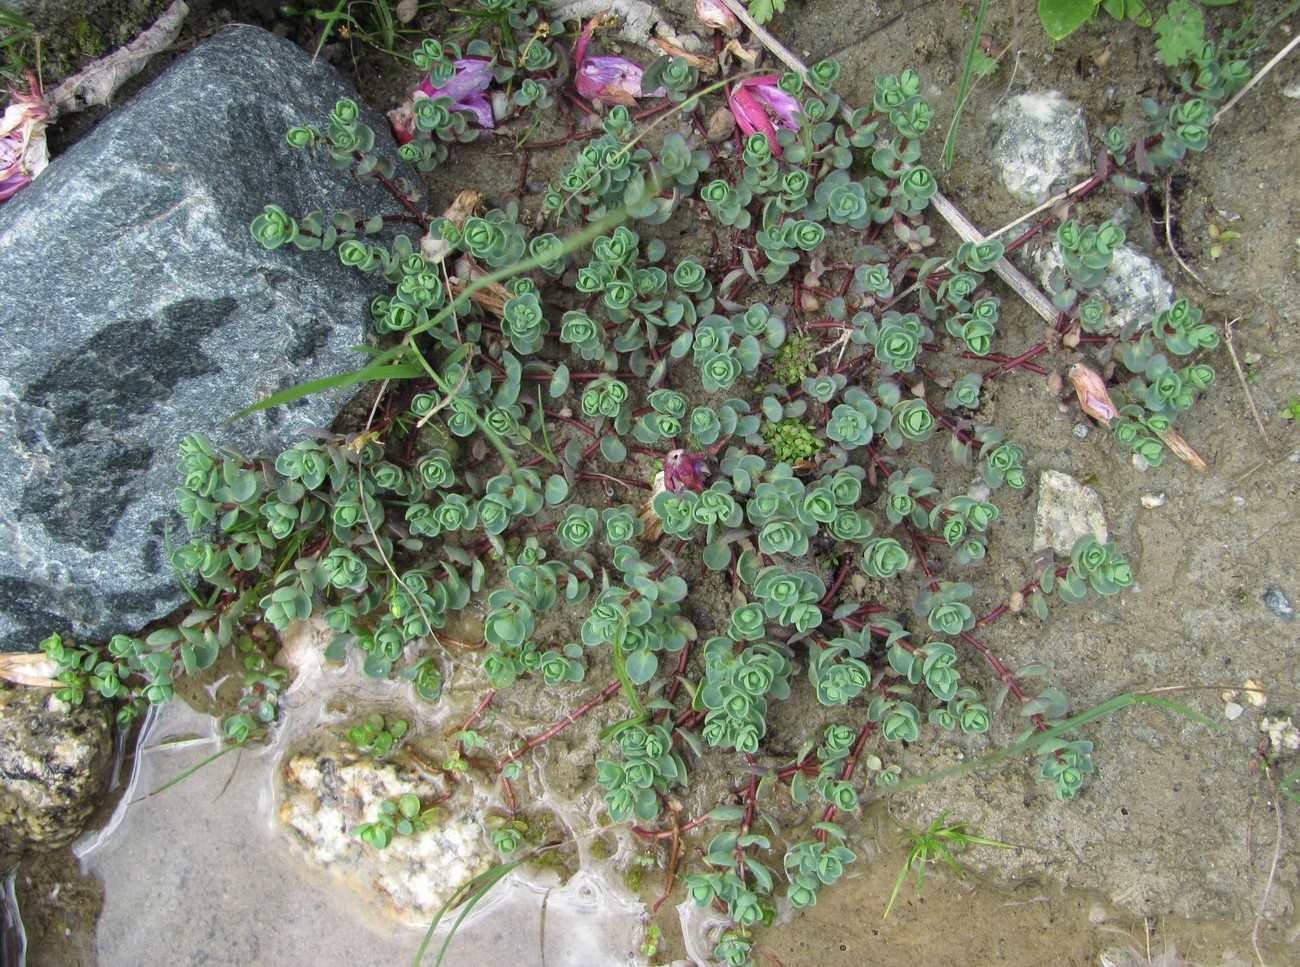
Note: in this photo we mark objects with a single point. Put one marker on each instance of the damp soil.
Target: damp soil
(1178, 843)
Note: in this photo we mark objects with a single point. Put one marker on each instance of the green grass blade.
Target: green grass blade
(469, 894)
(950, 143)
(381, 368)
(192, 769)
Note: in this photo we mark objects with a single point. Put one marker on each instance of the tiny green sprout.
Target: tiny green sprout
(1292, 409)
(653, 938)
(1218, 237)
(936, 842)
(794, 360)
(792, 441)
(507, 835)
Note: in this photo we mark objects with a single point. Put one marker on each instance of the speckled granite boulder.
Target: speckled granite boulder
(137, 308)
(54, 765)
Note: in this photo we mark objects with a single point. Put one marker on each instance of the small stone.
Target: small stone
(1275, 600)
(1232, 711)
(1097, 915)
(328, 792)
(1081, 430)
(1067, 511)
(721, 125)
(1039, 145)
(1152, 501)
(1283, 736)
(1256, 694)
(1135, 287)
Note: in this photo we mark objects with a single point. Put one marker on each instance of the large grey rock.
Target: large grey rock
(54, 765)
(137, 308)
(1039, 144)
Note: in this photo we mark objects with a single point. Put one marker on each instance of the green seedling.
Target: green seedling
(937, 842)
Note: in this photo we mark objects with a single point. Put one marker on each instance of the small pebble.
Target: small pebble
(1152, 501)
(1275, 600)
(1232, 711)
(1255, 693)
(1081, 430)
(1239, 501)
(721, 125)
(1097, 915)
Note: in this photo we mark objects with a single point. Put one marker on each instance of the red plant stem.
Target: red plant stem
(509, 791)
(1007, 364)
(482, 707)
(673, 855)
(561, 725)
(847, 774)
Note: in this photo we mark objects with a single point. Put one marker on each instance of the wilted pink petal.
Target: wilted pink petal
(685, 470)
(716, 14)
(473, 76)
(1093, 395)
(760, 105)
(610, 80)
(23, 152)
(465, 88)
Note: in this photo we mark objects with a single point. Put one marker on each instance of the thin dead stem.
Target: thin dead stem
(1241, 376)
(1169, 241)
(1275, 790)
(1259, 76)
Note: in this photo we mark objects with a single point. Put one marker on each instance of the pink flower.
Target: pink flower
(465, 88)
(760, 105)
(610, 80)
(23, 152)
(685, 470)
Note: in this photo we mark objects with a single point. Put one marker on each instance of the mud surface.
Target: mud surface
(1173, 844)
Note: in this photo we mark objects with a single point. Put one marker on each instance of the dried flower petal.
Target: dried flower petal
(760, 105)
(1093, 395)
(465, 88)
(23, 152)
(610, 80)
(1183, 450)
(716, 14)
(685, 470)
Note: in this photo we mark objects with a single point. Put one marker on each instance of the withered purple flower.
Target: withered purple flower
(610, 80)
(466, 88)
(685, 470)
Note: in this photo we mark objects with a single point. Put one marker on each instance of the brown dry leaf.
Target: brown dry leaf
(467, 203)
(1183, 450)
(654, 527)
(708, 66)
(492, 297)
(99, 82)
